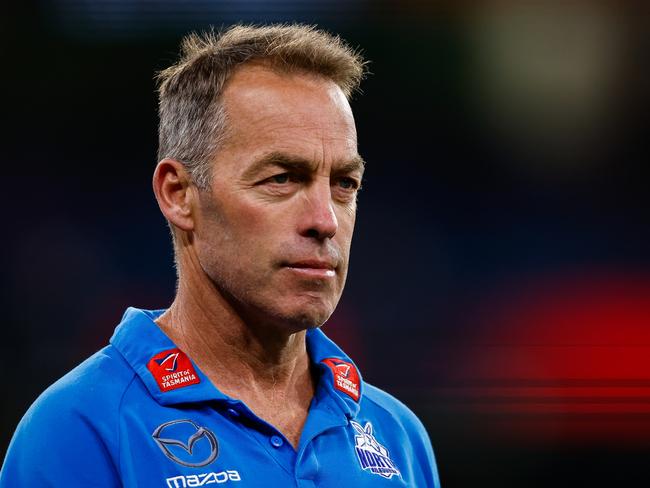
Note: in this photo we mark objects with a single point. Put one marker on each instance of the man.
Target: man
(258, 175)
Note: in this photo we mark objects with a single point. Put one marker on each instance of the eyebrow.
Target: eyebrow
(301, 165)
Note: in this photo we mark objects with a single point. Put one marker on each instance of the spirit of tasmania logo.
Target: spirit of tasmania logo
(346, 376)
(372, 455)
(172, 369)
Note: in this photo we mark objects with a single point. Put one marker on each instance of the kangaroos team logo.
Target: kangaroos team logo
(372, 455)
(172, 369)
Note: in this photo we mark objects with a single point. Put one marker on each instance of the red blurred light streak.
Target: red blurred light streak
(567, 357)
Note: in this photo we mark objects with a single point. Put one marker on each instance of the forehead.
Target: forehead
(274, 111)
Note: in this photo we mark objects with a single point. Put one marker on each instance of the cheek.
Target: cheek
(262, 229)
(233, 219)
(346, 230)
(241, 233)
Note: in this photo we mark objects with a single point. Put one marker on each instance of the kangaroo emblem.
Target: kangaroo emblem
(372, 455)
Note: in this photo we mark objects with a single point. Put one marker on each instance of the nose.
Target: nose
(318, 219)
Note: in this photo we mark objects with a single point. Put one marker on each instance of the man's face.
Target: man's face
(274, 232)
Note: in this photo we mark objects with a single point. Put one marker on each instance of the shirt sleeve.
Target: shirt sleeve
(58, 445)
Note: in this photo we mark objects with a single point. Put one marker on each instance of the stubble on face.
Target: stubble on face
(280, 206)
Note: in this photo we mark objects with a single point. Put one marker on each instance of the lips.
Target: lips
(312, 268)
(312, 264)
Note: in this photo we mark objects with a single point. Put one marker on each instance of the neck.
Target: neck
(233, 352)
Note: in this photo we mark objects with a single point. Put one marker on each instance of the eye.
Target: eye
(348, 183)
(280, 179)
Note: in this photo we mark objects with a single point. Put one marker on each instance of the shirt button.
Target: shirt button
(276, 441)
(233, 413)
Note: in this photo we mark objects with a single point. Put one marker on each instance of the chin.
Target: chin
(307, 320)
(307, 317)
(294, 312)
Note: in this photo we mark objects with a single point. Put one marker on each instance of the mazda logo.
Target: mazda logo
(183, 441)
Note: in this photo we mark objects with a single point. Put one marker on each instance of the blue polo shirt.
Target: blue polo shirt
(140, 413)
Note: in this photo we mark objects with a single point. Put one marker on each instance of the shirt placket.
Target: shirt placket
(323, 416)
(266, 435)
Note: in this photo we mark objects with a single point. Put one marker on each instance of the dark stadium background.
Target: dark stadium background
(500, 278)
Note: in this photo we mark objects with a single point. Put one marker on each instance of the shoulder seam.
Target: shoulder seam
(382, 407)
(390, 411)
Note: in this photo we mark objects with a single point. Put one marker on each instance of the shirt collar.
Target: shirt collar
(337, 372)
(139, 340)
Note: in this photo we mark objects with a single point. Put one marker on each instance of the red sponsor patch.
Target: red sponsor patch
(172, 369)
(346, 376)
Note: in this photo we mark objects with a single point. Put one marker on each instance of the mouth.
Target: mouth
(312, 268)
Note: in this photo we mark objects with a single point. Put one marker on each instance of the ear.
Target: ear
(174, 192)
(357, 427)
(368, 428)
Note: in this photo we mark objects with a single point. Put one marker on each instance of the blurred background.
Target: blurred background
(500, 278)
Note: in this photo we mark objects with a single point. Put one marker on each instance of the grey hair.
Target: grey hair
(193, 121)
